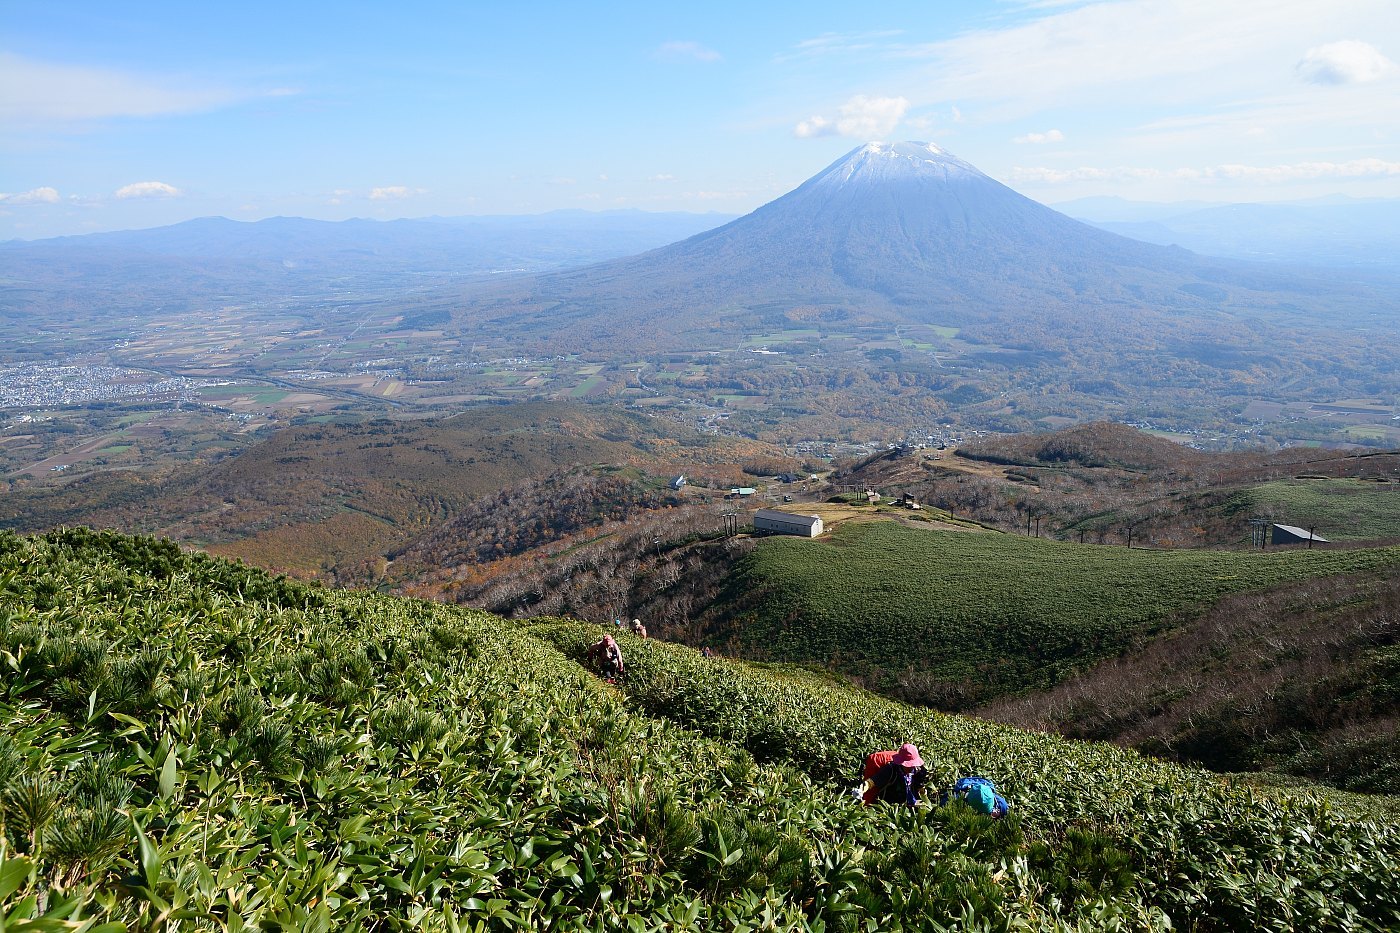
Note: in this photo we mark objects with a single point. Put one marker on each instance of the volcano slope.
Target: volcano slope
(907, 233)
(187, 738)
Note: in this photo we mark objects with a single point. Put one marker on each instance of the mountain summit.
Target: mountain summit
(911, 221)
(877, 163)
(890, 233)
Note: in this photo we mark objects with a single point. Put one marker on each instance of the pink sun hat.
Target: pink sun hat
(908, 755)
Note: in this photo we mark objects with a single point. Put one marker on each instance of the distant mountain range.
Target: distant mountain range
(1358, 234)
(1041, 306)
(908, 233)
(215, 256)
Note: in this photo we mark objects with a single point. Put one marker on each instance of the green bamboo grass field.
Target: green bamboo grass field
(188, 743)
(1008, 612)
(1342, 509)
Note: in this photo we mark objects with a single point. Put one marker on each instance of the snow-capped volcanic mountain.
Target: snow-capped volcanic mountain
(910, 220)
(906, 232)
(891, 231)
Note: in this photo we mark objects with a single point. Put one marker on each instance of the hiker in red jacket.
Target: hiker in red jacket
(894, 776)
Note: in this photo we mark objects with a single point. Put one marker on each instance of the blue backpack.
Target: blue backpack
(980, 794)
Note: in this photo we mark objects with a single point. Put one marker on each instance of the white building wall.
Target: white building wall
(786, 523)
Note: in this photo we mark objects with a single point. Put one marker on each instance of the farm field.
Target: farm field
(250, 752)
(965, 617)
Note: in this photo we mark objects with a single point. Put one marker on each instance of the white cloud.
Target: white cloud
(1138, 53)
(1049, 136)
(861, 117)
(1348, 62)
(1059, 176)
(686, 51)
(662, 177)
(832, 43)
(395, 193)
(1307, 171)
(148, 189)
(1259, 174)
(39, 92)
(45, 195)
(813, 127)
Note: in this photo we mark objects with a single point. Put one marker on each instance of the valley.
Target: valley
(897, 321)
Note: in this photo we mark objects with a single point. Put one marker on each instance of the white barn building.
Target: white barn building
(776, 522)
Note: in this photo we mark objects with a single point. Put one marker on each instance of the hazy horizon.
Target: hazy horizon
(158, 113)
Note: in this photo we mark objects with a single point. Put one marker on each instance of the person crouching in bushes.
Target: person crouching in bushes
(606, 656)
(893, 777)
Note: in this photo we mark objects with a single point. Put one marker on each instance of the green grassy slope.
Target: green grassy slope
(952, 618)
(1341, 509)
(1301, 678)
(188, 742)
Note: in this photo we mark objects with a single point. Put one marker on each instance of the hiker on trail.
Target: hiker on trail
(893, 776)
(638, 628)
(606, 656)
(705, 652)
(980, 794)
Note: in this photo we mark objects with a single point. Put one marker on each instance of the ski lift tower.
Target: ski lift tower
(1259, 532)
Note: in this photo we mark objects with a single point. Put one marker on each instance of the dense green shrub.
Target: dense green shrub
(476, 777)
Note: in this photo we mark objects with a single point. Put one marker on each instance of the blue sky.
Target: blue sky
(135, 114)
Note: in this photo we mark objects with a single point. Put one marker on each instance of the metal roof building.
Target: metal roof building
(777, 522)
(1292, 534)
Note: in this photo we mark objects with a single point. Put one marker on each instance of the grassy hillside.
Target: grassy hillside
(191, 742)
(1340, 509)
(1302, 678)
(954, 619)
(1097, 481)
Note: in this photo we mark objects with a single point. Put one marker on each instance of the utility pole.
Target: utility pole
(1258, 532)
